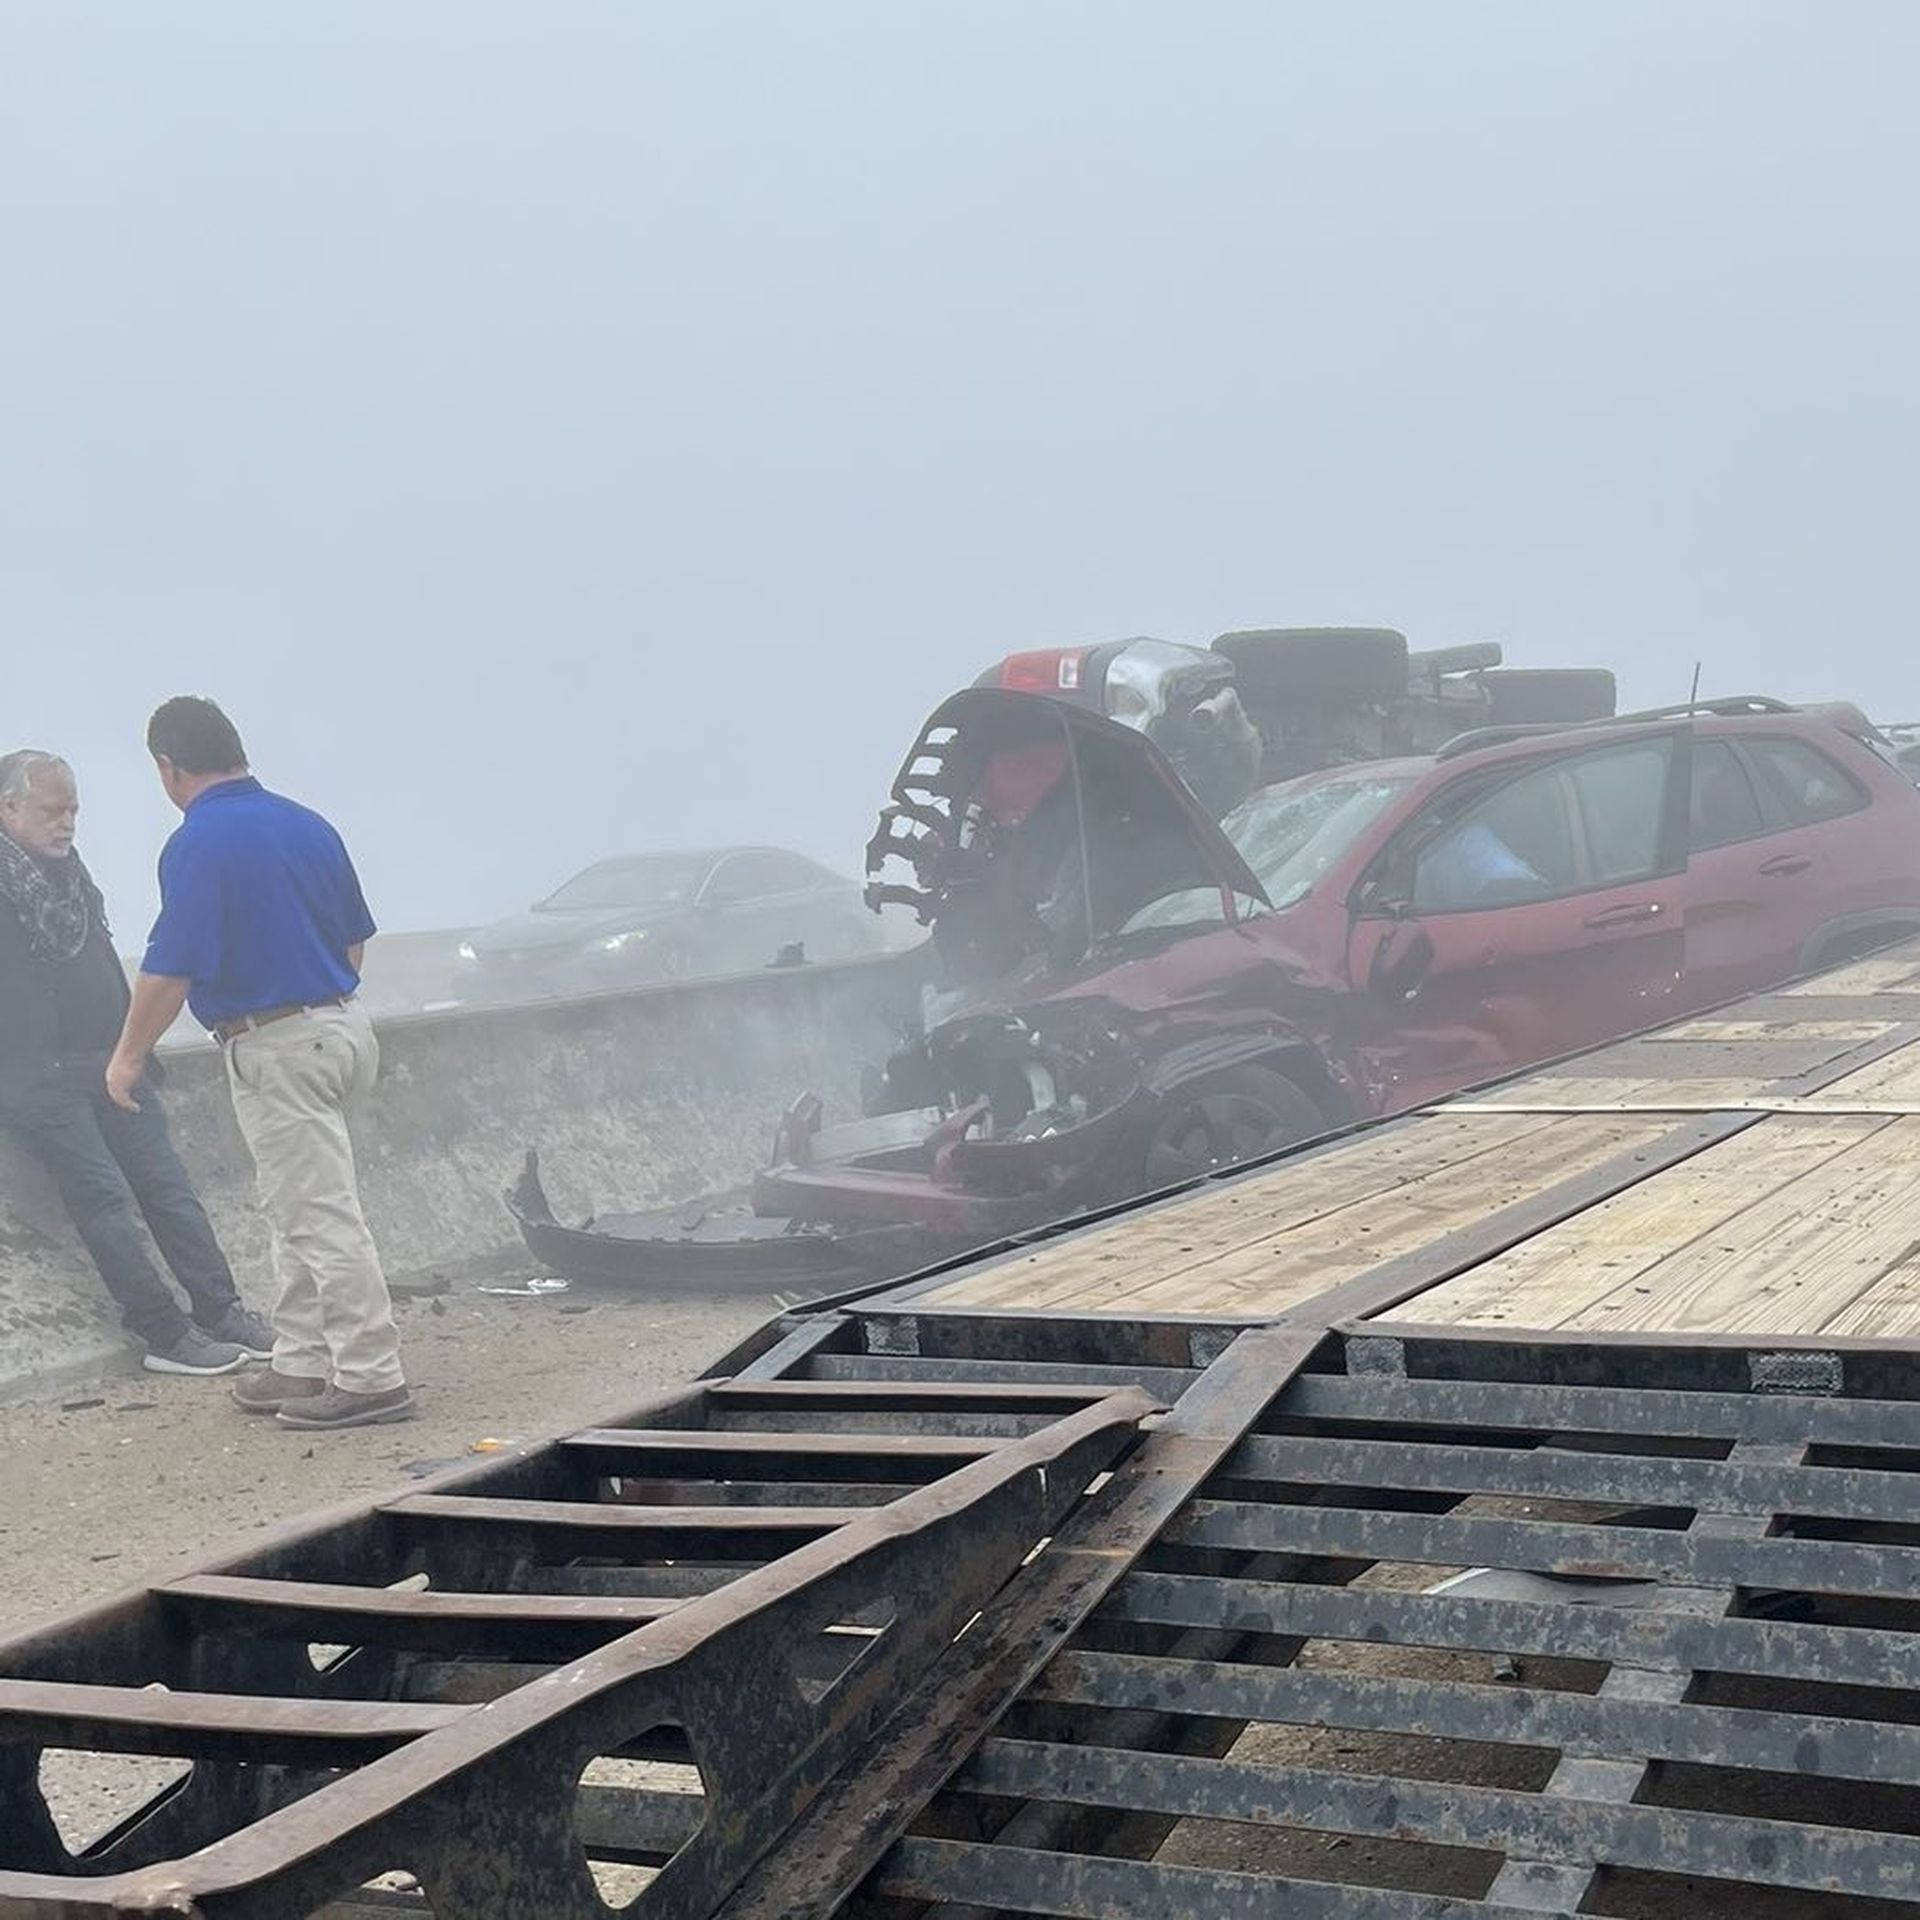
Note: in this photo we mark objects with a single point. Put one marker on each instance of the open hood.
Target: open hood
(1033, 829)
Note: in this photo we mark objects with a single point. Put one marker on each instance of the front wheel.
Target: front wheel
(1222, 1121)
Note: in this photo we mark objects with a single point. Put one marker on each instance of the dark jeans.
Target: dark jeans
(114, 1168)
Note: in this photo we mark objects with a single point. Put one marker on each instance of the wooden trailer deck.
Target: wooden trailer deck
(1749, 1172)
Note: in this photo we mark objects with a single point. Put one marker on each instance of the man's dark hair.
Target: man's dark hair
(196, 736)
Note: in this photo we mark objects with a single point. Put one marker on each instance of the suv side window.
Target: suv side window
(1512, 846)
(1723, 806)
(1809, 785)
(1585, 820)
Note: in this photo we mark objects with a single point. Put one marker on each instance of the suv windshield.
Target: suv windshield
(1289, 836)
(658, 880)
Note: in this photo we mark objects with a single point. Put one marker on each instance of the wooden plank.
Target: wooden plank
(1792, 1261)
(1887, 1085)
(1887, 1310)
(1889, 1307)
(1293, 1264)
(1167, 1238)
(1730, 1030)
(1614, 1093)
(1677, 1109)
(1889, 973)
(1269, 1278)
(1783, 1059)
(1612, 1246)
(1896, 1077)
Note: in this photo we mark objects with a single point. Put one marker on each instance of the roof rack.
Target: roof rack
(1730, 707)
(1477, 737)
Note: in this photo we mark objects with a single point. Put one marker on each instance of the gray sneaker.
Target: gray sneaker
(196, 1352)
(242, 1328)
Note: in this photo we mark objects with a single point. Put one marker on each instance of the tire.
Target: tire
(1367, 665)
(1221, 1121)
(1543, 696)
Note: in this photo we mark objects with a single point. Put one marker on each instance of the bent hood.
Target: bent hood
(1033, 828)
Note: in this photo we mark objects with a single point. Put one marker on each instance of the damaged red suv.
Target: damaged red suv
(1135, 995)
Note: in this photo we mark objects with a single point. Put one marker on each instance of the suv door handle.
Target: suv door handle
(1783, 864)
(1625, 916)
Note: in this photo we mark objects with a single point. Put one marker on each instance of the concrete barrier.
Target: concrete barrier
(635, 1099)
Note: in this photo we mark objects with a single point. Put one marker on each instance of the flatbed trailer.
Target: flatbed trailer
(1117, 1573)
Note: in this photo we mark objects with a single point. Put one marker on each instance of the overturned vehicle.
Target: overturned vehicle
(1068, 1060)
(1269, 704)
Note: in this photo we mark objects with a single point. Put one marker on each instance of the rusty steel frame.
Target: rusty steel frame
(1737, 1709)
(768, 1683)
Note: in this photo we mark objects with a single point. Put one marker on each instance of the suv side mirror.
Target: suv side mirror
(1401, 961)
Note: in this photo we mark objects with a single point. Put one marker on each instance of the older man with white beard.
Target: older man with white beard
(63, 995)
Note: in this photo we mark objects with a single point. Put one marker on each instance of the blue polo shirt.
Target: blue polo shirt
(258, 906)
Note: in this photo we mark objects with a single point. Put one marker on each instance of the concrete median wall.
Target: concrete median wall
(635, 1100)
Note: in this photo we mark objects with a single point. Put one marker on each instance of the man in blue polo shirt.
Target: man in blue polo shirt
(261, 929)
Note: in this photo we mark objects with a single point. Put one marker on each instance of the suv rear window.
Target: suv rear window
(1808, 785)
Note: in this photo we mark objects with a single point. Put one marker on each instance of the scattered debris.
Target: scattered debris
(80, 1406)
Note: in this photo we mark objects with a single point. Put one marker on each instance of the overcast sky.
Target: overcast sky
(558, 429)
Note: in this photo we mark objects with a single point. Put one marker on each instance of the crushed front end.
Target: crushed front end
(999, 1120)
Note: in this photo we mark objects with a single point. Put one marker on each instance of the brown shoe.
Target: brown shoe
(340, 1407)
(269, 1391)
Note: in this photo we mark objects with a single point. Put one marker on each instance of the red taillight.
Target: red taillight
(1056, 670)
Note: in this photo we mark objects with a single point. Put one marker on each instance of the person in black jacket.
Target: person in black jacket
(63, 995)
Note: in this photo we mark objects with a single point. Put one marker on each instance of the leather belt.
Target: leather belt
(231, 1030)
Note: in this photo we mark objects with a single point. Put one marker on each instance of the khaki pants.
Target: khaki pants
(293, 1082)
